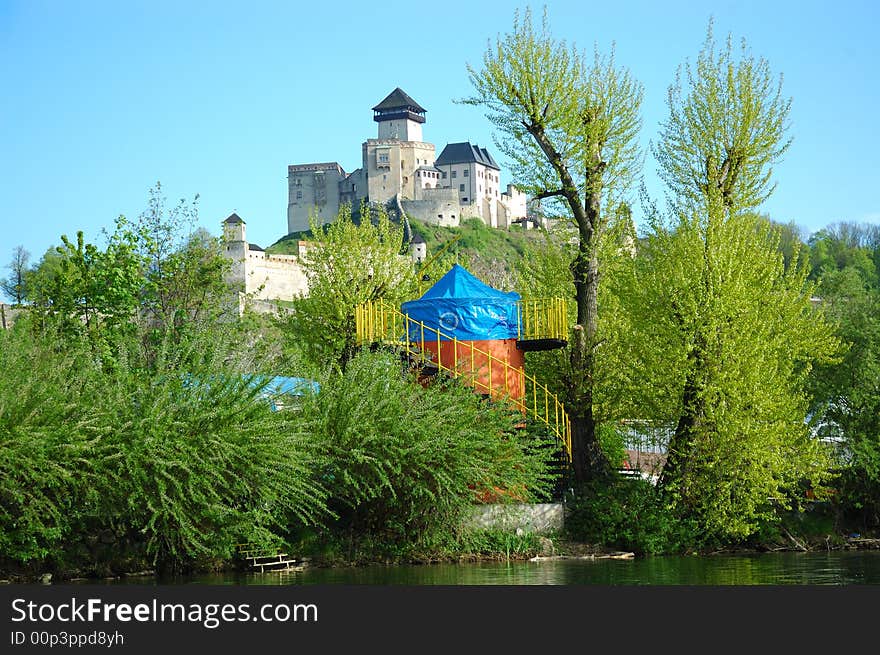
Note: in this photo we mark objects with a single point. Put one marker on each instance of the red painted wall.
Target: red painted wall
(504, 381)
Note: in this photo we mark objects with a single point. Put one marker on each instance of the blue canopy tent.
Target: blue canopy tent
(463, 307)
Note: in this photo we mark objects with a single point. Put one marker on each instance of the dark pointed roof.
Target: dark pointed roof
(234, 218)
(465, 153)
(398, 99)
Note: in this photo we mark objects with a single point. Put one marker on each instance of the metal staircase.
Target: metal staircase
(542, 324)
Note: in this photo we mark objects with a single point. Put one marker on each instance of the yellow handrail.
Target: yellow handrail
(379, 322)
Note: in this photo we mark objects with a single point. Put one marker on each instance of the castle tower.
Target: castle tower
(234, 230)
(235, 242)
(394, 162)
(399, 117)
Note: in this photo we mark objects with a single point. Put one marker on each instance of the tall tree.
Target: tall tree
(738, 331)
(184, 265)
(15, 286)
(571, 127)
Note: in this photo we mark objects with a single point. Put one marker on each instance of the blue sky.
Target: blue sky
(104, 99)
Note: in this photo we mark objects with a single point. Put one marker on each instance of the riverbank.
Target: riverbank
(550, 548)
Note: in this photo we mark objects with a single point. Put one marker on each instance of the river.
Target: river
(785, 568)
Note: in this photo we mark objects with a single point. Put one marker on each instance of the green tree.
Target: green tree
(346, 264)
(81, 288)
(161, 272)
(843, 245)
(570, 128)
(726, 334)
(184, 265)
(15, 286)
(847, 393)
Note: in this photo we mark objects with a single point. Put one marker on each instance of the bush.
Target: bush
(47, 445)
(202, 460)
(165, 458)
(405, 460)
(627, 514)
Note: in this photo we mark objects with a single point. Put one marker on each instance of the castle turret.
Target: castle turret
(418, 249)
(399, 117)
(236, 245)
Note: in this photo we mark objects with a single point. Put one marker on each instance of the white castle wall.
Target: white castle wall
(274, 277)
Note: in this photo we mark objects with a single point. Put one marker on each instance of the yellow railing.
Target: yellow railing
(379, 322)
(542, 318)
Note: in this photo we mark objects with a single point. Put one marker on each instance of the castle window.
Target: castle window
(444, 175)
(454, 173)
(466, 172)
(299, 195)
(464, 199)
(461, 187)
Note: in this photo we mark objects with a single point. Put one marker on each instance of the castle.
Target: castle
(398, 170)
(401, 170)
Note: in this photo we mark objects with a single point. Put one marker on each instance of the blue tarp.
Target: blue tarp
(461, 306)
(281, 384)
(292, 386)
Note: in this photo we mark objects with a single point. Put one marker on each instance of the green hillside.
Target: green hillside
(490, 254)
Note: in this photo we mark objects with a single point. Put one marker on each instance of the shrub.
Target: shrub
(405, 460)
(202, 460)
(628, 514)
(47, 444)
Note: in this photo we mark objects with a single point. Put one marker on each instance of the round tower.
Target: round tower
(236, 247)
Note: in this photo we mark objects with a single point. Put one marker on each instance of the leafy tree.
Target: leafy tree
(571, 132)
(15, 286)
(791, 240)
(545, 271)
(162, 272)
(847, 393)
(346, 264)
(843, 245)
(726, 335)
(184, 265)
(82, 288)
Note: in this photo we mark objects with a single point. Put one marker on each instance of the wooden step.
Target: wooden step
(281, 565)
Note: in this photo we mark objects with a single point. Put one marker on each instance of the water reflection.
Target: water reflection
(832, 568)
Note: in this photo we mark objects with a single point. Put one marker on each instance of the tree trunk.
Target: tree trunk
(588, 460)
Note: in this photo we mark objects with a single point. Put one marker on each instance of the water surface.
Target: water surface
(827, 568)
